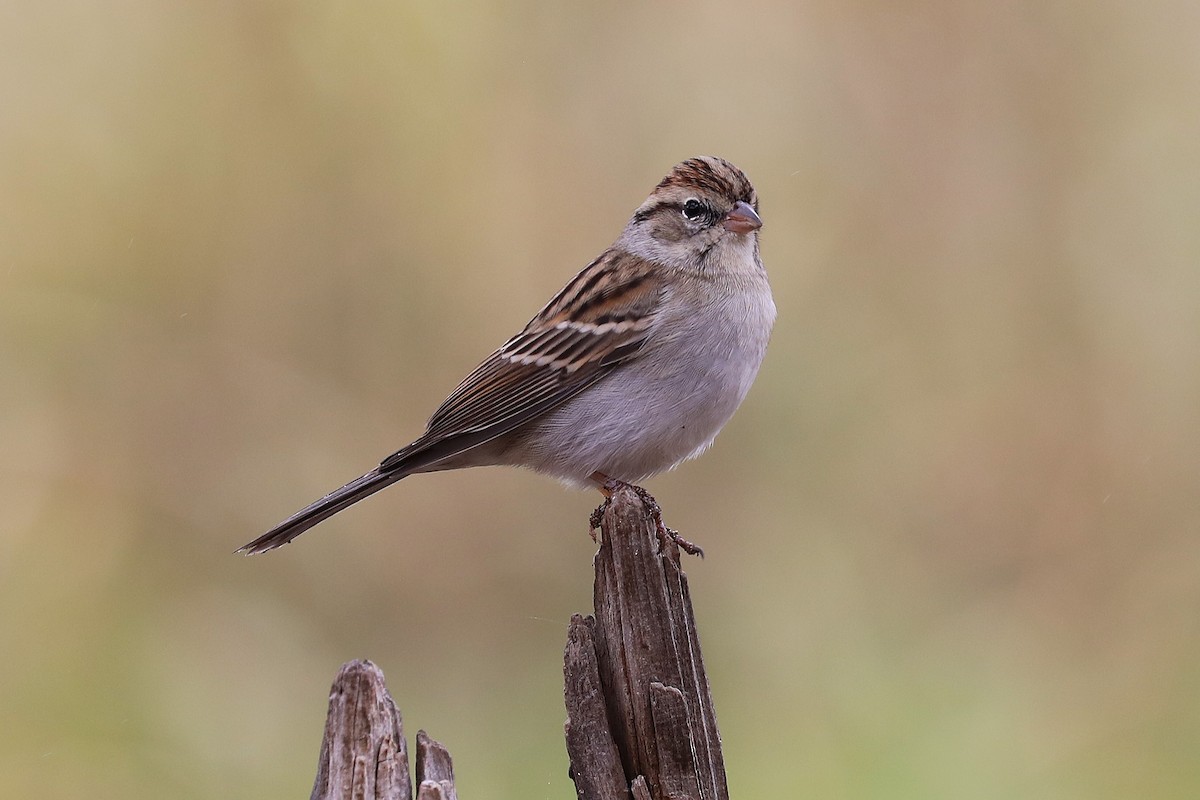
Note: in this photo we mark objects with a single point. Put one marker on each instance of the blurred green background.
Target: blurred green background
(246, 248)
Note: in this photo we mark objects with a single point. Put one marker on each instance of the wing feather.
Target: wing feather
(572, 343)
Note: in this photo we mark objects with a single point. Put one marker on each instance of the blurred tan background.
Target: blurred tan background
(246, 248)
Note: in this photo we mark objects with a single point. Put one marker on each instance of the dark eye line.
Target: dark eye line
(676, 207)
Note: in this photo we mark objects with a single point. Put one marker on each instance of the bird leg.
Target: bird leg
(609, 485)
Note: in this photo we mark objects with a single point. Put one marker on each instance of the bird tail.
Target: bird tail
(326, 507)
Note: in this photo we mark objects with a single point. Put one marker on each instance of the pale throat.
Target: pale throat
(708, 251)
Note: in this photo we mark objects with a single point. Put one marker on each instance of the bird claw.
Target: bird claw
(610, 485)
(595, 519)
(665, 533)
(597, 516)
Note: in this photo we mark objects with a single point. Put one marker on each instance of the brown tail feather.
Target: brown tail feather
(322, 509)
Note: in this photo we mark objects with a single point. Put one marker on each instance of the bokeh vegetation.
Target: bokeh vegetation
(246, 248)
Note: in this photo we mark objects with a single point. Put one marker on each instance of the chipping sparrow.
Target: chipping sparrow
(632, 368)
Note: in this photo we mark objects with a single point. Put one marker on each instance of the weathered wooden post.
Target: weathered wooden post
(640, 715)
(640, 719)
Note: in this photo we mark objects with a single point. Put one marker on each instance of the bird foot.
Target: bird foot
(610, 485)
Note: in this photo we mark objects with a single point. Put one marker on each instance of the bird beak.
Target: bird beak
(742, 219)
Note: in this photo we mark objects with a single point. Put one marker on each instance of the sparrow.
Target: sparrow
(631, 369)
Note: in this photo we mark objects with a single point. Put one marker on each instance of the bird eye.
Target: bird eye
(693, 209)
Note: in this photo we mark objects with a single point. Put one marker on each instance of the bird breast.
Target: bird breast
(669, 403)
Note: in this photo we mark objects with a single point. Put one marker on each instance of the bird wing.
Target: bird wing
(598, 321)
